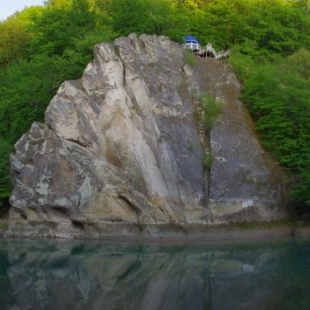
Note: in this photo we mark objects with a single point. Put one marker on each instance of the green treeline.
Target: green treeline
(269, 41)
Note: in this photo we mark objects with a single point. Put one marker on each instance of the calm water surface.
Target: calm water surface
(37, 274)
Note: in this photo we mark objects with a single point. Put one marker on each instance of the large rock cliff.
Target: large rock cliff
(121, 151)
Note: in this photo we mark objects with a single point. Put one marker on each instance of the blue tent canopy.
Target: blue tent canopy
(190, 39)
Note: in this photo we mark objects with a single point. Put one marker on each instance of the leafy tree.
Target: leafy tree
(14, 40)
(278, 99)
(140, 16)
(58, 28)
(59, 4)
(299, 62)
(5, 180)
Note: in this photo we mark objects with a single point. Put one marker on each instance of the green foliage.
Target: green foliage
(299, 62)
(57, 29)
(207, 114)
(210, 111)
(5, 180)
(300, 192)
(14, 41)
(277, 95)
(189, 58)
(242, 64)
(207, 159)
(190, 146)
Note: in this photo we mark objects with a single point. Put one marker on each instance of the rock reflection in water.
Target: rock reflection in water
(93, 275)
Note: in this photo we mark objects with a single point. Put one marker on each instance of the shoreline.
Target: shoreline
(189, 234)
(227, 234)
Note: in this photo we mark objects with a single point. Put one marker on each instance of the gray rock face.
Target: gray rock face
(245, 183)
(120, 151)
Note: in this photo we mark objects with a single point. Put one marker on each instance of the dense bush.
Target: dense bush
(278, 97)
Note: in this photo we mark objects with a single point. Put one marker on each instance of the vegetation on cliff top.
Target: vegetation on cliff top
(41, 47)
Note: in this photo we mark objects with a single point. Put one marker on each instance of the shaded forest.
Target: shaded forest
(269, 41)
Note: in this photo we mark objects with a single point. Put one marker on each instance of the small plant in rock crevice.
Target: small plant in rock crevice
(190, 146)
(210, 111)
(189, 58)
(206, 113)
(207, 159)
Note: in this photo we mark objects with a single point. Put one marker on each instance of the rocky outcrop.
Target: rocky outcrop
(120, 151)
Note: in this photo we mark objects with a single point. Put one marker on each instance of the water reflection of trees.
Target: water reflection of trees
(92, 275)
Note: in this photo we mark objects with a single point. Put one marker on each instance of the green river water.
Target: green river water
(49, 274)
